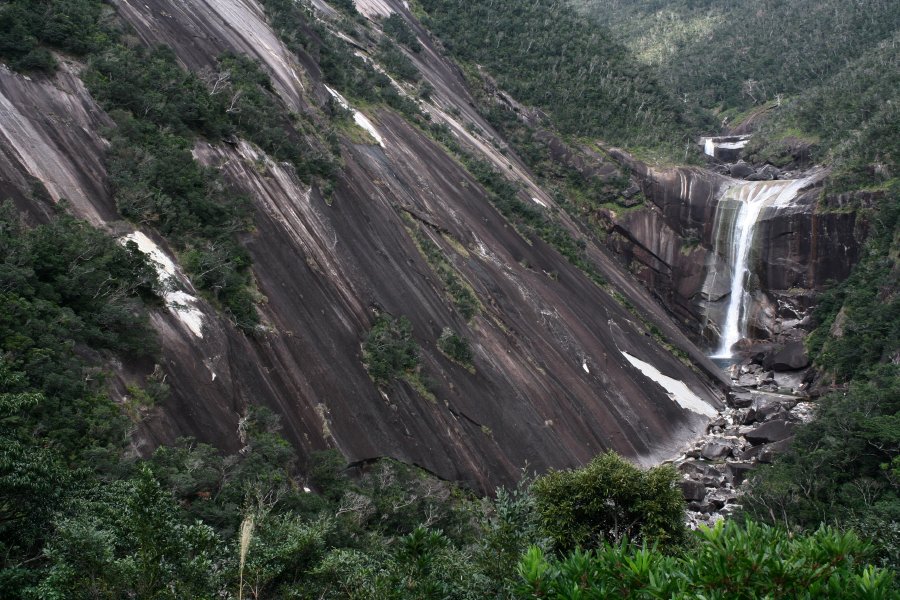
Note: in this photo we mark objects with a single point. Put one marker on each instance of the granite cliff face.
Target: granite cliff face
(678, 245)
(563, 369)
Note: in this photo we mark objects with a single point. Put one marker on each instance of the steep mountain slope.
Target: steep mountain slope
(734, 55)
(550, 383)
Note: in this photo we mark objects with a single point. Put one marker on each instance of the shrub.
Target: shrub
(455, 347)
(396, 27)
(389, 350)
(610, 500)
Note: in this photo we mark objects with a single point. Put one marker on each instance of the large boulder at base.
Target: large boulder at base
(792, 357)
(772, 431)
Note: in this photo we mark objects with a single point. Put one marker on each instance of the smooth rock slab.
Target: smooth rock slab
(771, 431)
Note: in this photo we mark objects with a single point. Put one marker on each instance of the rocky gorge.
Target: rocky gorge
(554, 379)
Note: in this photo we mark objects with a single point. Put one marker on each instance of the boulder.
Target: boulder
(701, 507)
(759, 176)
(748, 380)
(717, 423)
(713, 479)
(720, 498)
(771, 431)
(770, 452)
(695, 469)
(739, 472)
(740, 399)
(792, 357)
(770, 408)
(750, 417)
(693, 490)
(740, 170)
(751, 454)
(716, 450)
(770, 172)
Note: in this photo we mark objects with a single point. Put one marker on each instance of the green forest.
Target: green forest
(81, 516)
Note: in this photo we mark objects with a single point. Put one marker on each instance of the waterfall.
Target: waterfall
(751, 198)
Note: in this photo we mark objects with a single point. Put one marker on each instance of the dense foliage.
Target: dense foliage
(29, 28)
(843, 467)
(456, 288)
(729, 562)
(390, 353)
(585, 80)
(70, 297)
(609, 500)
(341, 68)
(81, 518)
(850, 120)
(735, 54)
(455, 347)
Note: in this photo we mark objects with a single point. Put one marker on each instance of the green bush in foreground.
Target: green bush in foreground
(609, 500)
(731, 561)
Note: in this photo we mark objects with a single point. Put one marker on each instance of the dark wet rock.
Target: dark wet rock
(769, 407)
(322, 266)
(631, 192)
(720, 498)
(697, 469)
(713, 479)
(751, 454)
(693, 490)
(670, 245)
(739, 471)
(792, 357)
(740, 170)
(740, 400)
(750, 417)
(717, 423)
(765, 173)
(701, 507)
(772, 431)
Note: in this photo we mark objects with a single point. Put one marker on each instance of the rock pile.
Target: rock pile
(757, 425)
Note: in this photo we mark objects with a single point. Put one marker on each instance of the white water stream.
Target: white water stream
(753, 197)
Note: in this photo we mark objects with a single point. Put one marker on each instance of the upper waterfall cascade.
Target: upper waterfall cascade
(752, 197)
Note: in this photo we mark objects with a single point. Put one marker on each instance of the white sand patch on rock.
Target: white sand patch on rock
(677, 390)
(179, 302)
(359, 118)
